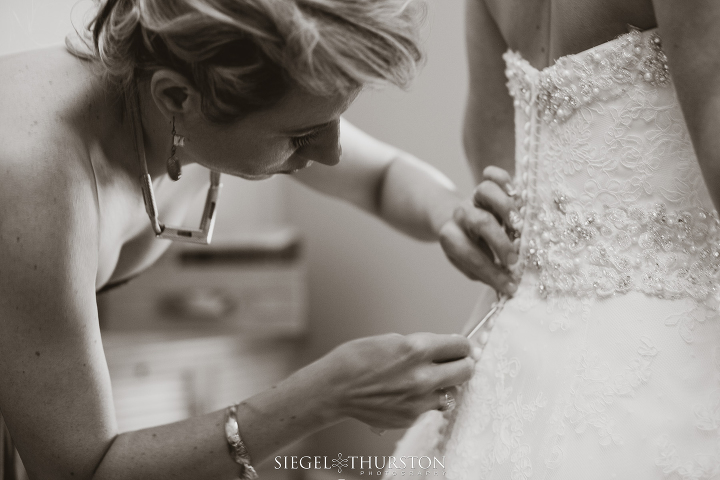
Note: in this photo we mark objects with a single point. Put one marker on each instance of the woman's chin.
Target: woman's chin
(253, 178)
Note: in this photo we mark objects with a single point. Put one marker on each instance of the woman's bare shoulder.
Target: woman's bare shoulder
(44, 154)
(46, 192)
(42, 91)
(47, 187)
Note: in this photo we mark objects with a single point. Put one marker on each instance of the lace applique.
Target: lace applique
(562, 311)
(634, 163)
(588, 253)
(509, 418)
(578, 80)
(593, 391)
(505, 413)
(696, 315)
(708, 415)
(580, 237)
(701, 465)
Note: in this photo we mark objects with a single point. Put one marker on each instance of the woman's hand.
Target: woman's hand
(479, 239)
(387, 381)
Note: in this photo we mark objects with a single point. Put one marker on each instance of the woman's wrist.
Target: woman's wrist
(294, 408)
(313, 387)
(417, 198)
(441, 212)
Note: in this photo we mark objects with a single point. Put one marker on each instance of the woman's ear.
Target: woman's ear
(173, 94)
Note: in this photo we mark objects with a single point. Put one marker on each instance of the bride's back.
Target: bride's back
(545, 30)
(617, 303)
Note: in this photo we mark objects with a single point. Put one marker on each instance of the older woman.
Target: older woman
(91, 143)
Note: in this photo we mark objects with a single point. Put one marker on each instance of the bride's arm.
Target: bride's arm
(488, 133)
(419, 200)
(690, 32)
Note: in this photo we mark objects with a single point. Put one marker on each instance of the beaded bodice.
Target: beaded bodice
(613, 196)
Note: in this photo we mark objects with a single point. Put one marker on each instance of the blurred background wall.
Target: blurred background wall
(365, 278)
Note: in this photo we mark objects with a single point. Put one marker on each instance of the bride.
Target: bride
(606, 362)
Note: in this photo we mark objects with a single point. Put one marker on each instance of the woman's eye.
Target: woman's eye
(303, 140)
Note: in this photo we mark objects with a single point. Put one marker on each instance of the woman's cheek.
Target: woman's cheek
(269, 160)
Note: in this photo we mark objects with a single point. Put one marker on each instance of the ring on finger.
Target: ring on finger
(515, 220)
(447, 401)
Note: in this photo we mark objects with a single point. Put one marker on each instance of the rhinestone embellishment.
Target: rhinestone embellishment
(578, 249)
(578, 80)
(615, 250)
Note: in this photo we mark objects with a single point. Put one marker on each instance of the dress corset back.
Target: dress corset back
(605, 364)
(613, 196)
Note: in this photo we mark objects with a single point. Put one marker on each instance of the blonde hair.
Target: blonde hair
(245, 55)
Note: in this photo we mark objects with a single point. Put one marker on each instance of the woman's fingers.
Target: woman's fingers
(469, 242)
(500, 177)
(440, 348)
(389, 380)
(481, 238)
(439, 361)
(469, 258)
(450, 374)
(401, 414)
(482, 226)
(489, 196)
(442, 400)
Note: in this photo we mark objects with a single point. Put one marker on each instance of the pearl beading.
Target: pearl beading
(616, 250)
(578, 80)
(578, 251)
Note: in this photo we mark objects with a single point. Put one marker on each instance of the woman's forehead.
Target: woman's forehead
(299, 112)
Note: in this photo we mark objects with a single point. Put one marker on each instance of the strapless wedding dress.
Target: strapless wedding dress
(606, 363)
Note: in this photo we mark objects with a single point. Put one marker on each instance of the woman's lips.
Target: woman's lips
(293, 170)
(288, 171)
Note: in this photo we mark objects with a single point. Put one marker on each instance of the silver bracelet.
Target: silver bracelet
(237, 447)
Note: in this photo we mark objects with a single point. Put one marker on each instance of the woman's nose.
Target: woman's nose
(325, 148)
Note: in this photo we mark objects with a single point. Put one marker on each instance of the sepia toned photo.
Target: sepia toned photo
(350, 239)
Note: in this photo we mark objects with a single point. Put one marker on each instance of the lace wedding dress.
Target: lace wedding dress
(606, 363)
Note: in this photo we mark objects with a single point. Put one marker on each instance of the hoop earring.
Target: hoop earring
(174, 168)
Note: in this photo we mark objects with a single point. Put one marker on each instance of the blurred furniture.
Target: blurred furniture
(11, 467)
(160, 378)
(252, 285)
(205, 327)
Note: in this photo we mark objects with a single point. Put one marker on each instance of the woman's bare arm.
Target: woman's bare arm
(385, 181)
(420, 201)
(54, 384)
(690, 33)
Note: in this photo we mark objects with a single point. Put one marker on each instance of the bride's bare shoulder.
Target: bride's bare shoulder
(545, 30)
